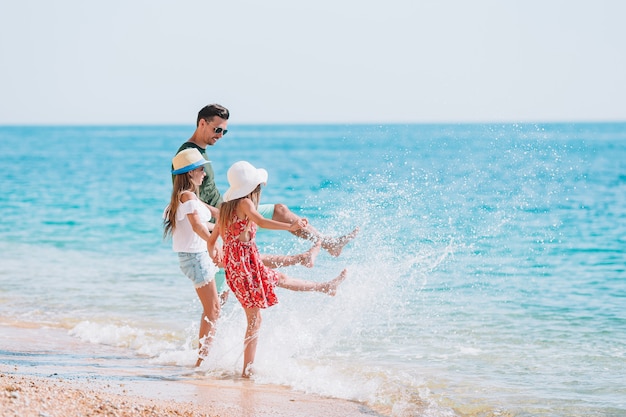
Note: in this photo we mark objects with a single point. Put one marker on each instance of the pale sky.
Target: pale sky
(321, 61)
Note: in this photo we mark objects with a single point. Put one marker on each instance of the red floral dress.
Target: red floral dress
(250, 280)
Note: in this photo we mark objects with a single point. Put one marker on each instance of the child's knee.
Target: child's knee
(254, 320)
(212, 313)
(281, 211)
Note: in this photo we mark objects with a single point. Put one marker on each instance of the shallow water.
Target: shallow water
(488, 278)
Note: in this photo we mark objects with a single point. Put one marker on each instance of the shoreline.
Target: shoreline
(46, 373)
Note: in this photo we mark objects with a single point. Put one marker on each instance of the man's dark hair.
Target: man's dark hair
(212, 110)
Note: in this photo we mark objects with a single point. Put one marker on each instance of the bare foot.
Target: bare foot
(203, 352)
(330, 287)
(335, 245)
(248, 371)
(308, 257)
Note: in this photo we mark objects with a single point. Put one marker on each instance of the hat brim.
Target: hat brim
(233, 193)
(189, 167)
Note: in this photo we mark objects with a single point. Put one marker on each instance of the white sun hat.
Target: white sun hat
(243, 178)
(187, 160)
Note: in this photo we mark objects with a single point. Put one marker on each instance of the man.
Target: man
(211, 126)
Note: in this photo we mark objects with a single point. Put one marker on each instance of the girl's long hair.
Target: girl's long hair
(182, 182)
(227, 209)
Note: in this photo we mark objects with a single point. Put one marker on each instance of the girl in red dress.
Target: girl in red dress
(250, 280)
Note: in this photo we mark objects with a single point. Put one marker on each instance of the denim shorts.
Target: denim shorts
(198, 267)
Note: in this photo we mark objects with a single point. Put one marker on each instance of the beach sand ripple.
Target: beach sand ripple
(37, 397)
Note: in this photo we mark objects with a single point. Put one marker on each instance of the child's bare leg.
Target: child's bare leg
(309, 257)
(306, 259)
(334, 245)
(210, 313)
(295, 284)
(331, 286)
(253, 315)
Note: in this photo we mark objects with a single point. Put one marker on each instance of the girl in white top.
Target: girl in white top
(186, 219)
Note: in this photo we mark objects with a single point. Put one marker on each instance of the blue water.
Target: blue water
(489, 277)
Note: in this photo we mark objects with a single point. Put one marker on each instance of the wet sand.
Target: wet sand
(26, 396)
(40, 378)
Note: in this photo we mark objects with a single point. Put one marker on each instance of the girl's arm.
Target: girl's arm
(214, 253)
(197, 224)
(247, 207)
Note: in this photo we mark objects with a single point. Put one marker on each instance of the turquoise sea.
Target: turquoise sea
(488, 279)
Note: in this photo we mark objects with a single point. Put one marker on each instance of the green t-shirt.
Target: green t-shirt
(208, 190)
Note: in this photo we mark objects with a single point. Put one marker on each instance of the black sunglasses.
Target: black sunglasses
(217, 130)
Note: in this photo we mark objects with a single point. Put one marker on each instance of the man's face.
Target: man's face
(212, 130)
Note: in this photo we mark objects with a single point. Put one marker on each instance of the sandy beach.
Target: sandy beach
(43, 375)
(26, 396)
(39, 397)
